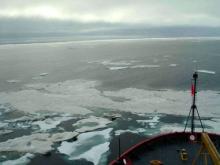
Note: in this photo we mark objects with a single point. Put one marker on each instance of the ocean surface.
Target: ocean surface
(68, 102)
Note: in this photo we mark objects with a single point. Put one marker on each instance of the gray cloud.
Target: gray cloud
(147, 12)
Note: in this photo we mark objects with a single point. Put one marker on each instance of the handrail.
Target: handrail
(208, 144)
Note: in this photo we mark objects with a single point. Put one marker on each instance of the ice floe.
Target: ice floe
(91, 123)
(152, 122)
(173, 65)
(118, 67)
(20, 161)
(145, 66)
(118, 63)
(76, 96)
(172, 128)
(50, 123)
(33, 100)
(13, 81)
(206, 71)
(36, 143)
(133, 67)
(134, 131)
(90, 146)
(43, 74)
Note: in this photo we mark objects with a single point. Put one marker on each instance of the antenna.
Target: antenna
(119, 160)
(193, 108)
(119, 147)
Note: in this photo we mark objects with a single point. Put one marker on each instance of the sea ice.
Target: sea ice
(151, 122)
(75, 96)
(35, 143)
(118, 63)
(172, 128)
(134, 131)
(173, 65)
(3, 125)
(90, 146)
(3, 132)
(20, 161)
(37, 78)
(145, 66)
(13, 81)
(50, 123)
(118, 67)
(206, 71)
(43, 74)
(213, 125)
(91, 123)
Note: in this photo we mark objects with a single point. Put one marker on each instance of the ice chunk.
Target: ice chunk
(91, 123)
(172, 128)
(90, 146)
(35, 143)
(20, 161)
(43, 74)
(95, 153)
(151, 122)
(58, 137)
(134, 131)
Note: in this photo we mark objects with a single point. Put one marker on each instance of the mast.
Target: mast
(193, 108)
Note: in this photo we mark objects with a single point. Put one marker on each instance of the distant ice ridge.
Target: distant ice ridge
(90, 146)
(74, 96)
(20, 161)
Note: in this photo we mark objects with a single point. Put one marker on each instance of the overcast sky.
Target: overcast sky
(148, 12)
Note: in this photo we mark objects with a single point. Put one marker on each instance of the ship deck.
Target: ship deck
(166, 148)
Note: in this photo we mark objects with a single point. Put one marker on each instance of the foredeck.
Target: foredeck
(167, 147)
